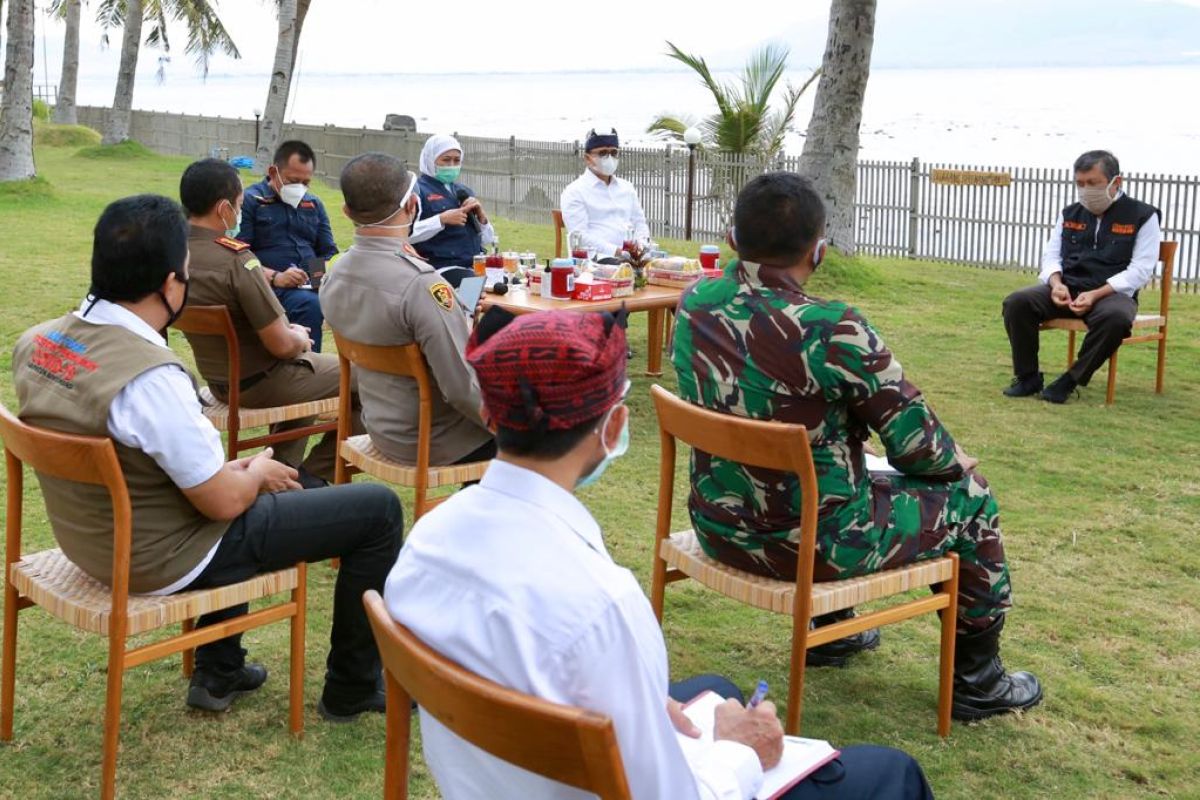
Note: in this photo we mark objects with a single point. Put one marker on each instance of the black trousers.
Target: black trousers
(362, 524)
(861, 771)
(1109, 322)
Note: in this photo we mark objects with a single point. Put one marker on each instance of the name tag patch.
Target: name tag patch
(1122, 229)
(1071, 225)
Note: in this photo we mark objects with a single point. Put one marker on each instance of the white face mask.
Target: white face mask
(407, 226)
(606, 166)
(292, 193)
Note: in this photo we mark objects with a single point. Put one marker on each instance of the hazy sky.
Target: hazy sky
(386, 36)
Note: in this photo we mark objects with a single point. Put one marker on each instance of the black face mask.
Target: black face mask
(173, 314)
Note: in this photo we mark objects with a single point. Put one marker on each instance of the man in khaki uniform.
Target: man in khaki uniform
(200, 521)
(277, 365)
(381, 292)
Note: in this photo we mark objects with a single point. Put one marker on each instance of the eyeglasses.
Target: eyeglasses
(602, 152)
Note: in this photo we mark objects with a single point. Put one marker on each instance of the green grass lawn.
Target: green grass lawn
(1099, 507)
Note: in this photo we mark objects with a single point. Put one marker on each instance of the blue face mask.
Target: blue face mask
(619, 450)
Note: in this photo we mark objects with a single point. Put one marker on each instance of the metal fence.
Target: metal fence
(901, 210)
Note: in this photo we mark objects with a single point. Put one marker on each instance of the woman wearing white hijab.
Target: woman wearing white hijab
(452, 227)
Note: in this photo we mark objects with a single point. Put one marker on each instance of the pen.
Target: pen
(760, 694)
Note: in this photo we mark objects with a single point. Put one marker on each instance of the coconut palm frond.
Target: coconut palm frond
(719, 91)
(206, 33)
(760, 75)
(111, 14)
(671, 128)
(779, 122)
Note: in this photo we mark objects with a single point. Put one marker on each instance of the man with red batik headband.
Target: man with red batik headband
(512, 580)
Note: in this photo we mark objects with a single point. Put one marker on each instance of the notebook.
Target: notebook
(801, 757)
(880, 465)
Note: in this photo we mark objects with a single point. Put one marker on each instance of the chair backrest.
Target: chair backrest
(1166, 254)
(404, 360)
(563, 743)
(756, 443)
(215, 321)
(559, 225)
(86, 459)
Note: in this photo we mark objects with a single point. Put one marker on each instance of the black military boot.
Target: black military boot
(981, 686)
(1023, 386)
(838, 652)
(1060, 390)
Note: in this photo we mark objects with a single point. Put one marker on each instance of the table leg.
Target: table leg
(656, 319)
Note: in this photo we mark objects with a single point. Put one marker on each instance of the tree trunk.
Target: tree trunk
(64, 108)
(301, 13)
(16, 113)
(830, 154)
(281, 85)
(119, 118)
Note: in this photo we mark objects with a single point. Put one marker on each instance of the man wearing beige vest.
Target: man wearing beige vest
(198, 521)
(277, 365)
(381, 292)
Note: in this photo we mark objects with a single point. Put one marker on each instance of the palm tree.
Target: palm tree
(64, 106)
(744, 123)
(16, 112)
(745, 132)
(830, 156)
(291, 22)
(206, 36)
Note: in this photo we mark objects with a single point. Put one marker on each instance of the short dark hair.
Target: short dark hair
(544, 444)
(778, 217)
(206, 183)
(137, 242)
(1107, 162)
(373, 185)
(294, 147)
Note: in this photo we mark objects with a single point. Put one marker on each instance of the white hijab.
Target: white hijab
(434, 146)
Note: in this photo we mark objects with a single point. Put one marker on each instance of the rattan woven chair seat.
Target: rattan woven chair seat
(682, 551)
(52, 581)
(362, 453)
(218, 412)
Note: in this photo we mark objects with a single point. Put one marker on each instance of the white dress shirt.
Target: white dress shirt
(602, 212)
(1127, 281)
(158, 413)
(511, 579)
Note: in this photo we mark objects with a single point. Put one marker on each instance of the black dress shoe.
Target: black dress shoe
(1060, 390)
(215, 690)
(309, 481)
(1025, 386)
(838, 652)
(341, 712)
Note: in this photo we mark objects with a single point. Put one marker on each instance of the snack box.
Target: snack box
(593, 290)
(678, 279)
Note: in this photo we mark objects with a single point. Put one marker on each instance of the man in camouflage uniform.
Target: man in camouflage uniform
(754, 344)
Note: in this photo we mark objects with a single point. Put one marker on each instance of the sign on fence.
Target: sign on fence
(970, 177)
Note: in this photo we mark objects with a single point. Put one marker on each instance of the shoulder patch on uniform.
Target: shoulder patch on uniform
(253, 263)
(443, 295)
(232, 244)
(1071, 225)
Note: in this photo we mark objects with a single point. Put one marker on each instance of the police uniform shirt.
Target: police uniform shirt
(224, 272)
(380, 292)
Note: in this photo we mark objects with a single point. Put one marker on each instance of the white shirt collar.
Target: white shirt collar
(597, 180)
(105, 312)
(523, 484)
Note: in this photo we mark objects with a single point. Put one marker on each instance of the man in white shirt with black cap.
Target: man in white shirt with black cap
(600, 207)
(512, 580)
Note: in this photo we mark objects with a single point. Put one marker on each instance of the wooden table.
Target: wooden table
(655, 300)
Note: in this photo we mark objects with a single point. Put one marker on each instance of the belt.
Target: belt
(245, 384)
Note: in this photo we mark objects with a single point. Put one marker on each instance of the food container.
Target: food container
(562, 278)
(480, 264)
(511, 261)
(710, 256)
(678, 273)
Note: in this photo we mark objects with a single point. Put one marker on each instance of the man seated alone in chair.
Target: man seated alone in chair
(198, 521)
(381, 292)
(1102, 251)
(755, 344)
(511, 579)
(277, 365)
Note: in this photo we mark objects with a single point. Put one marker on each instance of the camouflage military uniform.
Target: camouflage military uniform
(753, 344)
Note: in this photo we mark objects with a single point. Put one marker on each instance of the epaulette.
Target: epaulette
(232, 244)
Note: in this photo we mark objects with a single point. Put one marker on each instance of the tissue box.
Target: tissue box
(593, 290)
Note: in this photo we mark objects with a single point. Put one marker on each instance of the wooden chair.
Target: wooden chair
(562, 743)
(48, 579)
(780, 446)
(230, 416)
(359, 454)
(1166, 254)
(559, 227)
